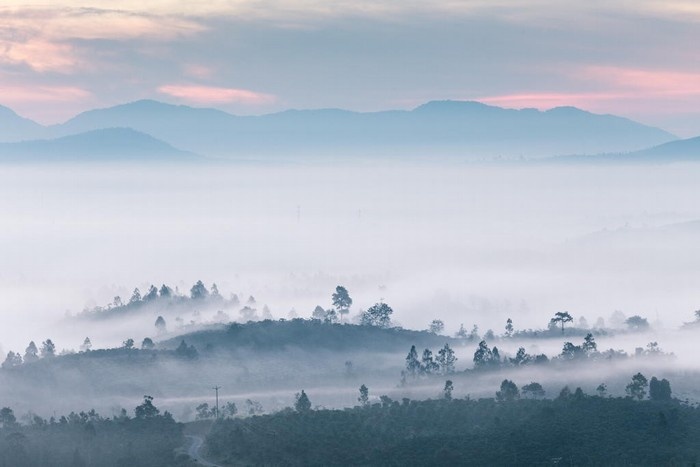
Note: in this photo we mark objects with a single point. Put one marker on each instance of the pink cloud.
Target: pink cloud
(615, 89)
(40, 55)
(547, 100)
(14, 94)
(659, 82)
(214, 95)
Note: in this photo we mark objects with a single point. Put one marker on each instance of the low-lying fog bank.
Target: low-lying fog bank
(267, 363)
(466, 244)
(462, 243)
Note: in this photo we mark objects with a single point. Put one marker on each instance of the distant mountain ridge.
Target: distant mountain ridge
(108, 144)
(432, 129)
(464, 129)
(682, 150)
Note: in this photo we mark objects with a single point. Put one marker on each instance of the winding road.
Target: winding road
(193, 451)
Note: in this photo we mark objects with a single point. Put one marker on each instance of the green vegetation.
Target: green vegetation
(86, 439)
(574, 429)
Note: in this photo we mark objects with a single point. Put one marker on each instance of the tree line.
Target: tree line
(507, 429)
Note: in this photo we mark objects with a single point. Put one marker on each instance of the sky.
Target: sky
(635, 58)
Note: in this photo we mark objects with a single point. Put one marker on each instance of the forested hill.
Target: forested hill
(308, 334)
(566, 431)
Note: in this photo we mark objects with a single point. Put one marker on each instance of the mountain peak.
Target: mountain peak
(452, 106)
(14, 127)
(567, 110)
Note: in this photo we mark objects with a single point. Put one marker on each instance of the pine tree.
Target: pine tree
(31, 353)
(413, 366)
(509, 328)
(87, 345)
(135, 296)
(165, 291)
(48, 349)
(446, 360)
(151, 295)
(589, 345)
(447, 391)
(160, 325)
(462, 333)
(364, 396)
(302, 403)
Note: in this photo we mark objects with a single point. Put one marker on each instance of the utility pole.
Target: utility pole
(216, 388)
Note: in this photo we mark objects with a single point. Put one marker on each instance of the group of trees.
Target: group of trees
(560, 323)
(197, 293)
(442, 364)
(436, 326)
(487, 358)
(31, 354)
(378, 315)
(587, 349)
(634, 323)
(341, 307)
(48, 350)
(659, 390)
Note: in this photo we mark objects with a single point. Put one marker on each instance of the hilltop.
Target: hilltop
(110, 144)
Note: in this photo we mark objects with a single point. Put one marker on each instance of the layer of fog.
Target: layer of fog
(273, 378)
(463, 243)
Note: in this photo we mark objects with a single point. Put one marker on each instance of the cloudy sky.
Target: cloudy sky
(637, 58)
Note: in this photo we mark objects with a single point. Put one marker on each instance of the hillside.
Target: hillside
(573, 430)
(16, 128)
(684, 150)
(111, 144)
(681, 150)
(308, 335)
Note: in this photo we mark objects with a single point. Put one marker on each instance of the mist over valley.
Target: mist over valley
(289, 233)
